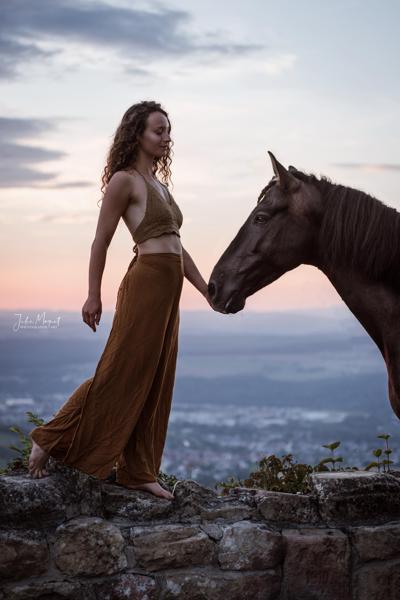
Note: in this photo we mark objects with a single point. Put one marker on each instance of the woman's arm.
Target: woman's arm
(194, 276)
(114, 204)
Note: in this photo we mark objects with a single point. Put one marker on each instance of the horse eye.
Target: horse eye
(260, 218)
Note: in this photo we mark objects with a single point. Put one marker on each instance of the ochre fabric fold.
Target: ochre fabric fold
(119, 416)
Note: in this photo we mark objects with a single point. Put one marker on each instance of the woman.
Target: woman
(120, 415)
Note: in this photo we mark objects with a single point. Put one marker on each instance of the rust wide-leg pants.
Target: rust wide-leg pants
(120, 415)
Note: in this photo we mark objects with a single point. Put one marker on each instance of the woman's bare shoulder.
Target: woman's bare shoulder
(135, 182)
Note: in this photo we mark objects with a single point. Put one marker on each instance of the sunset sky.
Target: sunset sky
(314, 82)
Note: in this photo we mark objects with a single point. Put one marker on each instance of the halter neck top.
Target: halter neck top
(160, 216)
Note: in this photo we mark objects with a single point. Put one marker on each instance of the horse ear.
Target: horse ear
(286, 181)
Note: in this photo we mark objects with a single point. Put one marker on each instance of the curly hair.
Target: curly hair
(125, 145)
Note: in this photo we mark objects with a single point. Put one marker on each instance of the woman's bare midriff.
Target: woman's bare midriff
(167, 242)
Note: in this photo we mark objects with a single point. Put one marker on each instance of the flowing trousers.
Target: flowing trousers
(119, 417)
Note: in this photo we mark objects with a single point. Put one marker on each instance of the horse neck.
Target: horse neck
(373, 303)
(350, 242)
(374, 300)
(376, 306)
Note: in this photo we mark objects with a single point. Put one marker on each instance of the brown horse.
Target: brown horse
(352, 237)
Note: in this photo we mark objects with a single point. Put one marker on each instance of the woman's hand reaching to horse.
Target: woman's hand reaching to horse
(207, 297)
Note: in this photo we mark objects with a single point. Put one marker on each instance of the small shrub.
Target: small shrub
(284, 475)
(21, 461)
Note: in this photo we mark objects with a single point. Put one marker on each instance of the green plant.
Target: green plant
(230, 483)
(332, 459)
(21, 461)
(275, 474)
(169, 480)
(378, 452)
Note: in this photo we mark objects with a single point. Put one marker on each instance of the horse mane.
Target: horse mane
(357, 230)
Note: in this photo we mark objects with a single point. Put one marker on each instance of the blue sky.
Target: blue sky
(314, 82)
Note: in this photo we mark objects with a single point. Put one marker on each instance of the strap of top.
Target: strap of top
(169, 195)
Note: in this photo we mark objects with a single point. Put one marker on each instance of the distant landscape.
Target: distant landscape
(247, 385)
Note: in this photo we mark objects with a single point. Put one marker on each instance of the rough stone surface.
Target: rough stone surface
(378, 581)
(166, 546)
(316, 564)
(46, 589)
(126, 587)
(380, 542)
(213, 530)
(23, 554)
(283, 508)
(25, 502)
(49, 500)
(251, 546)
(214, 585)
(191, 499)
(227, 510)
(356, 496)
(72, 536)
(89, 546)
(118, 502)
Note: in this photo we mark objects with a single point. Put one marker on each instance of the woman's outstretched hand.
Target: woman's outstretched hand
(207, 297)
(91, 311)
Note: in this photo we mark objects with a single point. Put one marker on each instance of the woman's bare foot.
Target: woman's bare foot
(37, 461)
(154, 487)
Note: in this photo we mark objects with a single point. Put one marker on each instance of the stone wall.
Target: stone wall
(72, 536)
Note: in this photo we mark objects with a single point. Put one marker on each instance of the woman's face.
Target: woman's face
(155, 139)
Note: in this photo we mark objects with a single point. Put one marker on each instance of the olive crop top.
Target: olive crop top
(160, 217)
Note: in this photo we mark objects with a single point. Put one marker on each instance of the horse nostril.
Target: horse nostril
(211, 289)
